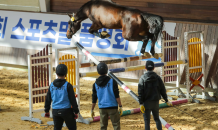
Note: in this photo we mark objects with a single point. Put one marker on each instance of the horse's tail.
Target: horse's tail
(155, 23)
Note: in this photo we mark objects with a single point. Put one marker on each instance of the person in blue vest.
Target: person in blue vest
(150, 90)
(106, 91)
(61, 94)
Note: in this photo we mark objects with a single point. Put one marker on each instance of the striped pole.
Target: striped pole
(130, 92)
(122, 85)
(133, 68)
(163, 105)
(128, 59)
(168, 126)
(127, 112)
(137, 110)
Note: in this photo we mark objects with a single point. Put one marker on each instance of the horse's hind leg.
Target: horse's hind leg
(145, 42)
(128, 35)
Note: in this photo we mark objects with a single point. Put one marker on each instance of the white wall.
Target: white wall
(24, 5)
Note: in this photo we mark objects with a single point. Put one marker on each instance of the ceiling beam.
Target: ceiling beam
(44, 5)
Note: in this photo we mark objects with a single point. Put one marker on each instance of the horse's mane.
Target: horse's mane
(105, 0)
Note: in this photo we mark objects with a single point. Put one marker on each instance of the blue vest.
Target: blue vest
(106, 97)
(59, 97)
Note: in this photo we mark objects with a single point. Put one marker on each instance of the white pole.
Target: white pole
(168, 126)
(56, 58)
(50, 67)
(50, 71)
(77, 78)
(162, 51)
(187, 65)
(203, 62)
(178, 66)
(30, 86)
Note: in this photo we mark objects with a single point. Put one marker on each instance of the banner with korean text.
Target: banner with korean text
(34, 30)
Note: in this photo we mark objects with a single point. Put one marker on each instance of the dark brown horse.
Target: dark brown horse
(135, 24)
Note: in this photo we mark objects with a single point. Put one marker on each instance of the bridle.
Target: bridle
(71, 24)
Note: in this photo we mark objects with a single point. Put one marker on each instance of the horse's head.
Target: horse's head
(73, 26)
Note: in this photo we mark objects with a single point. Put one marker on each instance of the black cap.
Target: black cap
(149, 65)
(102, 68)
(61, 70)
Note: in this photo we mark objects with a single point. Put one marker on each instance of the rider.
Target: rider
(150, 90)
(61, 94)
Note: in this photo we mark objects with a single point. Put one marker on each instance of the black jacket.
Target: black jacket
(102, 81)
(60, 83)
(151, 88)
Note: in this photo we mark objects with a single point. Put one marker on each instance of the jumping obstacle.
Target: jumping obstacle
(128, 59)
(72, 63)
(194, 53)
(122, 85)
(137, 110)
(39, 76)
(192, 66)
(171, 51)
(133, 68)
(170, 47)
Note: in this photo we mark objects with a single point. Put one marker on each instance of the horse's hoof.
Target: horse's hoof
(156, 56)
(104, 34)
(146, 54)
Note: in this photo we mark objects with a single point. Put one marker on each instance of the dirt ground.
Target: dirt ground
(14, 104)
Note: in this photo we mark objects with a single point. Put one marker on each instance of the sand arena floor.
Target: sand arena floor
(14, 104)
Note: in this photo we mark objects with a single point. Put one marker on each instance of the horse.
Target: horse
(135, 24)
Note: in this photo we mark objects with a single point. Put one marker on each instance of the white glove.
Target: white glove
(169, 103)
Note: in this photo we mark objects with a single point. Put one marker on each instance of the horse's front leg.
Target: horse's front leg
(94, 30)
(153, 39)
